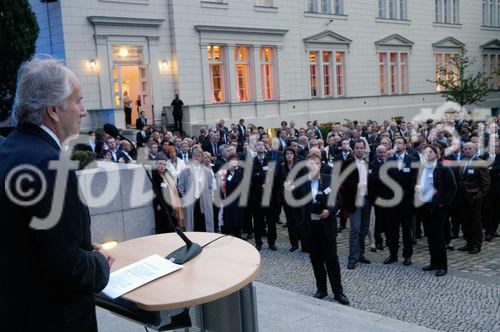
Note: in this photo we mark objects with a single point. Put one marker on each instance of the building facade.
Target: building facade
(268, 60)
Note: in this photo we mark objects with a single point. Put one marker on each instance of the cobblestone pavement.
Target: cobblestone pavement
(467, 299)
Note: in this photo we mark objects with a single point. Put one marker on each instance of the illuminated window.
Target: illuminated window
(382, 60)
(313, 70)
(216, 63)
(340, 73)
(266, 72)
(242, 73)
(393, 72)
(445, 67)
(446, 11)
(327, 76)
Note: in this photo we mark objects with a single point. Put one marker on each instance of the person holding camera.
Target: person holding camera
(320, 228)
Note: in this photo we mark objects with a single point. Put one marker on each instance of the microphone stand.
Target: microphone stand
(184, 253)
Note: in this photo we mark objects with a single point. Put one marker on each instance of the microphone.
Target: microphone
(184, 253)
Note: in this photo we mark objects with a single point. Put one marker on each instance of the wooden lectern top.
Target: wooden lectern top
(222, 268)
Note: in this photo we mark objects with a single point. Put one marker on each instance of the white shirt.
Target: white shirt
(199, 179)
(51, 134)
(426, 182)
(363, 172)
(176, 171)
(314, 187)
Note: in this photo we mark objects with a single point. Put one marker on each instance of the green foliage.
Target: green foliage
(461, 86)
(18, 35)
(84, 158)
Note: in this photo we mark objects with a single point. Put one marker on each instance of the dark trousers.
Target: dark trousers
(291, 225)
(470, 216)
(128, 115)
(417, 224)
(342, 219)
(434, 220)
(492, 213)
(454, 213)
(234, 231)
(198, 217)
(321, 240)
(261, 218)
(400, 215)
(247, 223)
(381, 218)
(178, 123)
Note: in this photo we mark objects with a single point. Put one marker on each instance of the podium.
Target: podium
(217, 282)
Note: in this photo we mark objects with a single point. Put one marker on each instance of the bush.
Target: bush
(84, 158)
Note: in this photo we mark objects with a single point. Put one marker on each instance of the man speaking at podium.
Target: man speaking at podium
(49, 269)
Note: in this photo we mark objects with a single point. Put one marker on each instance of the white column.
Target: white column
(207, 99)
(257, 78)
(154, 78)
(105, 68)
(319, 61)
(279, 73)
(232, 84)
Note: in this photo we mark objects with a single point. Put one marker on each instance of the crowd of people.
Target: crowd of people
(442, 175)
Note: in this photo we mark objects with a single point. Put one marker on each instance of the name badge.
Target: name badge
(406, 170)
(327, 190)
(369, 171)
(229, 178)
(330, 164)
(265, 168)
(430, 176)
(470, 171)
(164, 185)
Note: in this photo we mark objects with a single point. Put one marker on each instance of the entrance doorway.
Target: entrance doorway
(131, 77)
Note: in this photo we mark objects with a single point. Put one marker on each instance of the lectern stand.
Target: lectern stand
(217, 283)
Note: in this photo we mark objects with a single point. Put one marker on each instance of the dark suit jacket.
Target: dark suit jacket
(141, 139)
(140, 123)
(303, 213)
(376, 187)
(495, 176)
(405, 177)
(47, 277)
(474, 181)
(445, 186)
(349, 186)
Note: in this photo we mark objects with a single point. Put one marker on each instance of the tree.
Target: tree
(18, 34)
(457, 83)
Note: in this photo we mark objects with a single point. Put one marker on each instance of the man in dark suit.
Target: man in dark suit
(474, 182)
(377, 189)
(302, 148)
(354, 191)
(241, 130)
(50, 270)
(177, 104)
(142, 137)
(261, 213)
(317, 219)
(494, 195)
(185, 154)
(141, 121)
(402, 213)
(212, 146)
(435, 192)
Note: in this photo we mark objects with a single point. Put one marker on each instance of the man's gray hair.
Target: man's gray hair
(41, 82)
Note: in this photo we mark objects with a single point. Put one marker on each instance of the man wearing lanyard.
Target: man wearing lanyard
(320, 229)
(435, 192)
(474, 183)
(355, 194)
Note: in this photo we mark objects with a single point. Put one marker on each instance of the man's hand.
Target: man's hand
(324, 214)
(108, 257)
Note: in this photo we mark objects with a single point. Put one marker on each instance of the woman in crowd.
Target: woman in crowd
(164, 183)
(174, 164)
(231, 215)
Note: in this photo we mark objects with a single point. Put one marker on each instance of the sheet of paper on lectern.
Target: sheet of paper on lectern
(137, 274)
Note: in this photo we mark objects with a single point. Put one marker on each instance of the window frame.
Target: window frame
(447, 11)
(393, 80)
(222, 72)
(248, 65)
(393, 10)
(266, 83)
(332, 66)
(334, 7)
